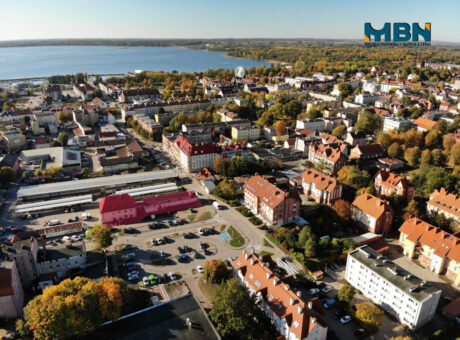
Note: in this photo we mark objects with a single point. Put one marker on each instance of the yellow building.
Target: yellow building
(432, 247)
(246, 133)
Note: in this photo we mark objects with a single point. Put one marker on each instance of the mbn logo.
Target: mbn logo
(401, 32)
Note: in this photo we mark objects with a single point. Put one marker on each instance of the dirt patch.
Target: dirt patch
(176, 289)
(209, 290)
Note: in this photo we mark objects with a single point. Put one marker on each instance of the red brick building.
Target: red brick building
(274, 204)
(373, 213)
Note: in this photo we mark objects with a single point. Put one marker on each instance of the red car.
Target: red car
(17, 230)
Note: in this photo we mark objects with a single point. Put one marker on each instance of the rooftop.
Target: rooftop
(58, 249)
(385, 268)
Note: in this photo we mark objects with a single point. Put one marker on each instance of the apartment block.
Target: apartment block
(322, 188)
(374, 214)
(246, 133)
(443, 202)
(387, 183)
(405, 296)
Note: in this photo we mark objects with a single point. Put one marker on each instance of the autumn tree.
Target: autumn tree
(219, 165)
(395, 150)
(454, 155)
(412, 209)
(339, 131)
(76, 307)
(343, 209)
(412, 156)
(7, 175)
(215, 271)
(226, 189)
(351, 175)
(63, 138)
(102, 236)
(369, 315)
(280, 128)
(346, 293)
(425, 158)
(448, 142)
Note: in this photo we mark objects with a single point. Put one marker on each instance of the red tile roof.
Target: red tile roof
(445, 201)
(392, 180)
(300, 316)
(371, 205)
(425, 123)
(369, 149)
(190, 149)
(321, 181)
(116, 202)
(442, 243)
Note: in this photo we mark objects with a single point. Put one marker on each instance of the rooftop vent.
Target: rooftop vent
(413, 289)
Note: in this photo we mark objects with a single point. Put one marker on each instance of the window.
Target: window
(251, 276)
(258, 284)
(296, 324)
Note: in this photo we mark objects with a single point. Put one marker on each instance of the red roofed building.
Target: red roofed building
(368, 151)
(322, 188)
(424, 124)
(330, 155)
(442, 202)
(11, 292)
(271, 203)
(375, 214)
(434, 248)
(293, 318)
(387, 183)
(122, 209)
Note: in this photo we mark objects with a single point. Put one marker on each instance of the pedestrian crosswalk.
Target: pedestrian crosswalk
(254, 246)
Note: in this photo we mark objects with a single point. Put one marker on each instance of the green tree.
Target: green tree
(345, 89)
(293, 108)
(437, 178)
(346, 293)
(351, 175)
(395, 150)
(369, 315)
(215, 271)
(102, 236)
(339, 131)
(63, 138)
(226, 189)
(232, 311)
(412, 209)
(7, 175)
(367, 122)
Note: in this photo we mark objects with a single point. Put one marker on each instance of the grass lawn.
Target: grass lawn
(209, 290)
(268, 244)
(191, 217)
(237, 240)
(223, 227)
(204, 216)
(264, 252)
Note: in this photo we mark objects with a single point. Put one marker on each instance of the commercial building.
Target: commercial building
(387, 183)
(432, 247)
(374, 214)
(442, 202)
(62, 258)
(293, 318)
(99, 185)
(405, 296)
(122, 209)
(58, 157)
(324, 189)
(275, 205)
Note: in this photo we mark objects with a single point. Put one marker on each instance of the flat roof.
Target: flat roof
(64, 202)
(90, 183)
(163, 321)
(386, 268)
(132, 192)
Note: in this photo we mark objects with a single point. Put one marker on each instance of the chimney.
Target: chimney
(246, 255)
(252, 261)
(300, 309)
(310, 305)
(286, 286)
(291, 301)
(275, 282)
(268, 275)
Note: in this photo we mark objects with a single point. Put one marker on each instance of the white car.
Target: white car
(201, 231)
(172, 276)
(200, 269)
(327, 289)
(345, 319)
(75, 238)
(66, 238)
(146, 281)
(313, 291)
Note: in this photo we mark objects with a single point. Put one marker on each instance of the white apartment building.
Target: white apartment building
(62, 258)
(396, 123)
(246, 133)
(366, 98)
(316, 125)
(408, 298)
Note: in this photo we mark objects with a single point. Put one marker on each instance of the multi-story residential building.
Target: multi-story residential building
(317, 125)
(322, 188)
(11, 292)
(368, 151)
(227, 115)
(373, 213)
(387, 183)
(109, 89)
(355, 138)
(246, 133)
(62, 259)
(442, 202)
(13, 138)
(293, 318)
(423, 124)
(86, 115)
(220, 126)
(84, 91)
(139, 95)
(24, 253)
(270, 134)
(396, 123)
(407, 297)
(52, 91)
(274, 204)
(432, 247)
(331, 156)
(366, 98)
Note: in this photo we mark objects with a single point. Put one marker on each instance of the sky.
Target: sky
(323, 19)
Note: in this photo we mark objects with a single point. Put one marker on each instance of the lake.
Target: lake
(41, 61)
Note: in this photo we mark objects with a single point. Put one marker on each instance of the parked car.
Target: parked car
(154, 225)
(200, 269)
(146, 281)
(154, 242)
(133, 278)
(329, 303)
(172, 276)
(326, 289)
(313, 291)
(160, 241)
(133, 273)
(130, 256)
(187, 249)
(339, 314)
(345, 319)
(75, 238)
(181, 250)
(195, 254)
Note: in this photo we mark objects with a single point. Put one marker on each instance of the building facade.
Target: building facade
(246, 133)
(374, 214)
(322, 188)
(11, 292)
(387, 183)
(442, 202)
(397, 291)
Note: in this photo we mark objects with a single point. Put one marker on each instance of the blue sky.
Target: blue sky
(32, 19)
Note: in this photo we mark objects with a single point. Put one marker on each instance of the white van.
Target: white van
(216, 205)
(54, 222)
